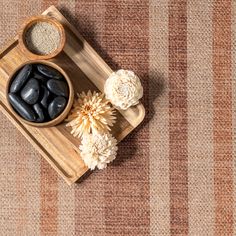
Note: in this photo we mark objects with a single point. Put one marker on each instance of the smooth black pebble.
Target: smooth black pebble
(21, 78)
(45, 96)
(56, 107)
(49, 71)
(39, 111)
(21, 107)
(41, 78)
(58, 87)
(30, 92)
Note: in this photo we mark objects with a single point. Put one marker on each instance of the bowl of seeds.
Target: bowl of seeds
(40, 93)
(42, 37)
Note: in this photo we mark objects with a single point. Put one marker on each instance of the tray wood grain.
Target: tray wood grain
(87, 70)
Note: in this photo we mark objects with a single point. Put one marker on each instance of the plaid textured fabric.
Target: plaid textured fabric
(175, 174)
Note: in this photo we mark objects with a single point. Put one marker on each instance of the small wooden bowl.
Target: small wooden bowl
(33, 20)
(70, 100)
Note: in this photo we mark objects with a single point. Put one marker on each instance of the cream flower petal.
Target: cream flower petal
(91, 112)
(123, 88)
(97, 150)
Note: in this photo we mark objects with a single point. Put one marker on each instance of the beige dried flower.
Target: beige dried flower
(97, 150)
(91, 113)
(123, 88)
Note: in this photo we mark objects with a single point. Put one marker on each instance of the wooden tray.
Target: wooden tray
(87, 70)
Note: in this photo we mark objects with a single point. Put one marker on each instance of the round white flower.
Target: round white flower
(123, 88)
(97, 150)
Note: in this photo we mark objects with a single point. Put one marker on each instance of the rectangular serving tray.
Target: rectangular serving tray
(87, 70)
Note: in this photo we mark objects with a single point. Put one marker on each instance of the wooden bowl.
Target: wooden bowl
(70, 100)
(33, 20)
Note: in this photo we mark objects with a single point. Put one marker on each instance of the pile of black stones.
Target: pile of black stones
(38, 93)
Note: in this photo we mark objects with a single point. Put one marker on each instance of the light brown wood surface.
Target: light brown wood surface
(87, 70)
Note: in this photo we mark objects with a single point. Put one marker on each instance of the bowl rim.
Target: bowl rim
(43, 18)
(70, 100)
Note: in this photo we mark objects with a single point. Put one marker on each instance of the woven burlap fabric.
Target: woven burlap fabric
(175, 174)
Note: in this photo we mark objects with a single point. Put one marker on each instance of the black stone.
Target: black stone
(49, 71)
(41, 78)
(58, 87)
(30, 93)
(21, 107)
(39, 111)
(45, 96)
(56, 107)
(21, 78)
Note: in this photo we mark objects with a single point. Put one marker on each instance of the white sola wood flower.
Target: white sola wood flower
(91, 113)
(97, 150)
(123, 88)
